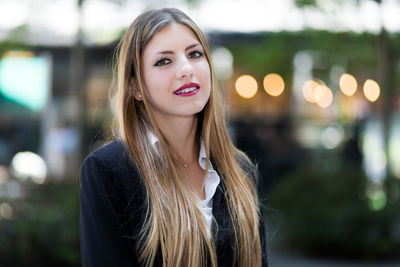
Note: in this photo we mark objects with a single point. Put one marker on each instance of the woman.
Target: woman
(172, 190)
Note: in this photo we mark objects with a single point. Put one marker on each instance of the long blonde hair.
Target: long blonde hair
(173, 223)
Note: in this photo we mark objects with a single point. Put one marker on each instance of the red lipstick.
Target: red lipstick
(188, 89)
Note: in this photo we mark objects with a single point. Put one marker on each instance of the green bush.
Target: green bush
(44, 228)
(324, 210)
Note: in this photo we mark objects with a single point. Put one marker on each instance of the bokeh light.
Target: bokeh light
(332, 136)
(323, 96)
(308, 135)
(223, 62)
(246, 86)
(373, 150)
(309, 90)
(394, 147)
(348, 84)
(371, 90)
(6, 211)
(376, 197)
(274, 84)
(29, 165)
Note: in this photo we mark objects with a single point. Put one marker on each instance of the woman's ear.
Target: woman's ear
(135, 91)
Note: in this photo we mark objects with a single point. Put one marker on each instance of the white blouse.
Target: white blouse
(211, 184)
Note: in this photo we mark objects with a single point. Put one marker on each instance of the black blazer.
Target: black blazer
(112, 209)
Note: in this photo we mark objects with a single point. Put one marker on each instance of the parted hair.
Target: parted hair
(174, 223)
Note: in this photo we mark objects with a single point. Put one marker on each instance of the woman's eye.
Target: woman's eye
(195, 54)
(162, 62)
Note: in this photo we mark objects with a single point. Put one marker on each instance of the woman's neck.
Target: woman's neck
(181, 136)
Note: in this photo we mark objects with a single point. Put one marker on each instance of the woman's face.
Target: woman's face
(176, 73)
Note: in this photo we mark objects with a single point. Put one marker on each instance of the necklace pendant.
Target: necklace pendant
(185, 165)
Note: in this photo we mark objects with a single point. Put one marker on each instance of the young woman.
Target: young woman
(171, 190)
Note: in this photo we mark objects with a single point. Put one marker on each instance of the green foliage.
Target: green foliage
(44, 228)
(15, 40)
(268, 53)
(193, 3)
(323, 211)
(305, 3)
(275, 51)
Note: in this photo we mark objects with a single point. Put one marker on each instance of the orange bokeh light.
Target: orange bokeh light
(274, 84)
(371, 90)
(246, 86)
(348, 84)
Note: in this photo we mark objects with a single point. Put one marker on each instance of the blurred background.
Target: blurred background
(312, 90)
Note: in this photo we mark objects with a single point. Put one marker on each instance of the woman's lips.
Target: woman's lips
(188, 89)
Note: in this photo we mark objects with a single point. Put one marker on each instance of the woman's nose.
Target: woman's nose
(185, 71)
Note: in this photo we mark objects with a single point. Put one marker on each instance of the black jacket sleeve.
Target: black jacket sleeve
(103, 240)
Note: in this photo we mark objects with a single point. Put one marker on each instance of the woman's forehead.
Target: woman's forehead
(173, 35)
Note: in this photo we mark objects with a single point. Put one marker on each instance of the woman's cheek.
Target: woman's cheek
(162, 79)
(206, 69)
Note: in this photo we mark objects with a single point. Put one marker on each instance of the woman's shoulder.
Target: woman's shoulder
(110, 162)
(110, 168)
(109, 152)
(111, 194)
(112, 155)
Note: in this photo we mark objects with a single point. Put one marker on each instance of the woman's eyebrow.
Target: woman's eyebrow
(191, 46)
(171, 52)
